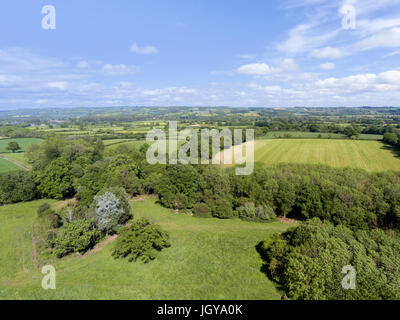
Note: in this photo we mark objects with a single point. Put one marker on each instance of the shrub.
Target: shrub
(122, 196)
(222, 209)
(42, 208)
(250, 212)
(202, 210)
(50, 219)
(140, 240)
(76, 236)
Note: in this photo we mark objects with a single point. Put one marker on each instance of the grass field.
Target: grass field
(18, 158)
(208, 259)
(7, 166)
(314, 135)
(367, 155)
(23, 143)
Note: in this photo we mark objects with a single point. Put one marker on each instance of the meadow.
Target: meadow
(315, 135)
(362, 154)
(23, 143)
(7, 166)
(208, 259)
(10, 161)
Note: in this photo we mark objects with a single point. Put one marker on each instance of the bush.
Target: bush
(110, 211)
(202, 210)
(50, 219)
(42, 208)
(122, 196)
(250, 212)
(140, 240)
(76, 236)
(222, 209)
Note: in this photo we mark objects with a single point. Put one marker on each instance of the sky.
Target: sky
(240, 53)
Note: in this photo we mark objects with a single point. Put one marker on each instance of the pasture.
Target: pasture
(7, 166)
(363, 154)
(314, 135)
(23, 143)
(208, 259)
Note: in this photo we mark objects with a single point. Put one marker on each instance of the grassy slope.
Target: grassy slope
(7, 166)
(209, 259)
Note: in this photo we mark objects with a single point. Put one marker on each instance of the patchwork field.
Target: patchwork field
(208, 259)
(367, 155)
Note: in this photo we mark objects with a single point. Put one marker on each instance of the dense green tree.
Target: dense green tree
(76, 236)
(140, 240)
(17, 186)
(13, 146)
(56, 180)
(308, 261)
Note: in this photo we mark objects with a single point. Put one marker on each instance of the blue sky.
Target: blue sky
(200, 53)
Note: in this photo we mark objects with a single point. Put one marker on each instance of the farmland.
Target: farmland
(6, 166)
(205, 259)
(23, 143)
(10, 161)
(367, 155)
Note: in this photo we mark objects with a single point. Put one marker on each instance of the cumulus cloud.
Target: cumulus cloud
(143, 50)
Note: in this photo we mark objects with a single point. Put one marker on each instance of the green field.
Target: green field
(363, 154)
(23, 143)
(367, 155)
(7, 166)
(18, 158)
(315, 135)
(208, 259)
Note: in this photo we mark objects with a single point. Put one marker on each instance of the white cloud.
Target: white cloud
(41, 101)
(383, 39)
(256, 69)
(247, 56)
(83, 65)
(327, 53)
(60, 85)
(305, 37)
(327, 66)
(143, 50)
(119, 69)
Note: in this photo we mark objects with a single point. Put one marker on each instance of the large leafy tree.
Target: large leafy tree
(13, 146)
(56, 180)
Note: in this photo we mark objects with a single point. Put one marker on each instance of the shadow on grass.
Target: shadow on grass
(264, 268)
(393, 149)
